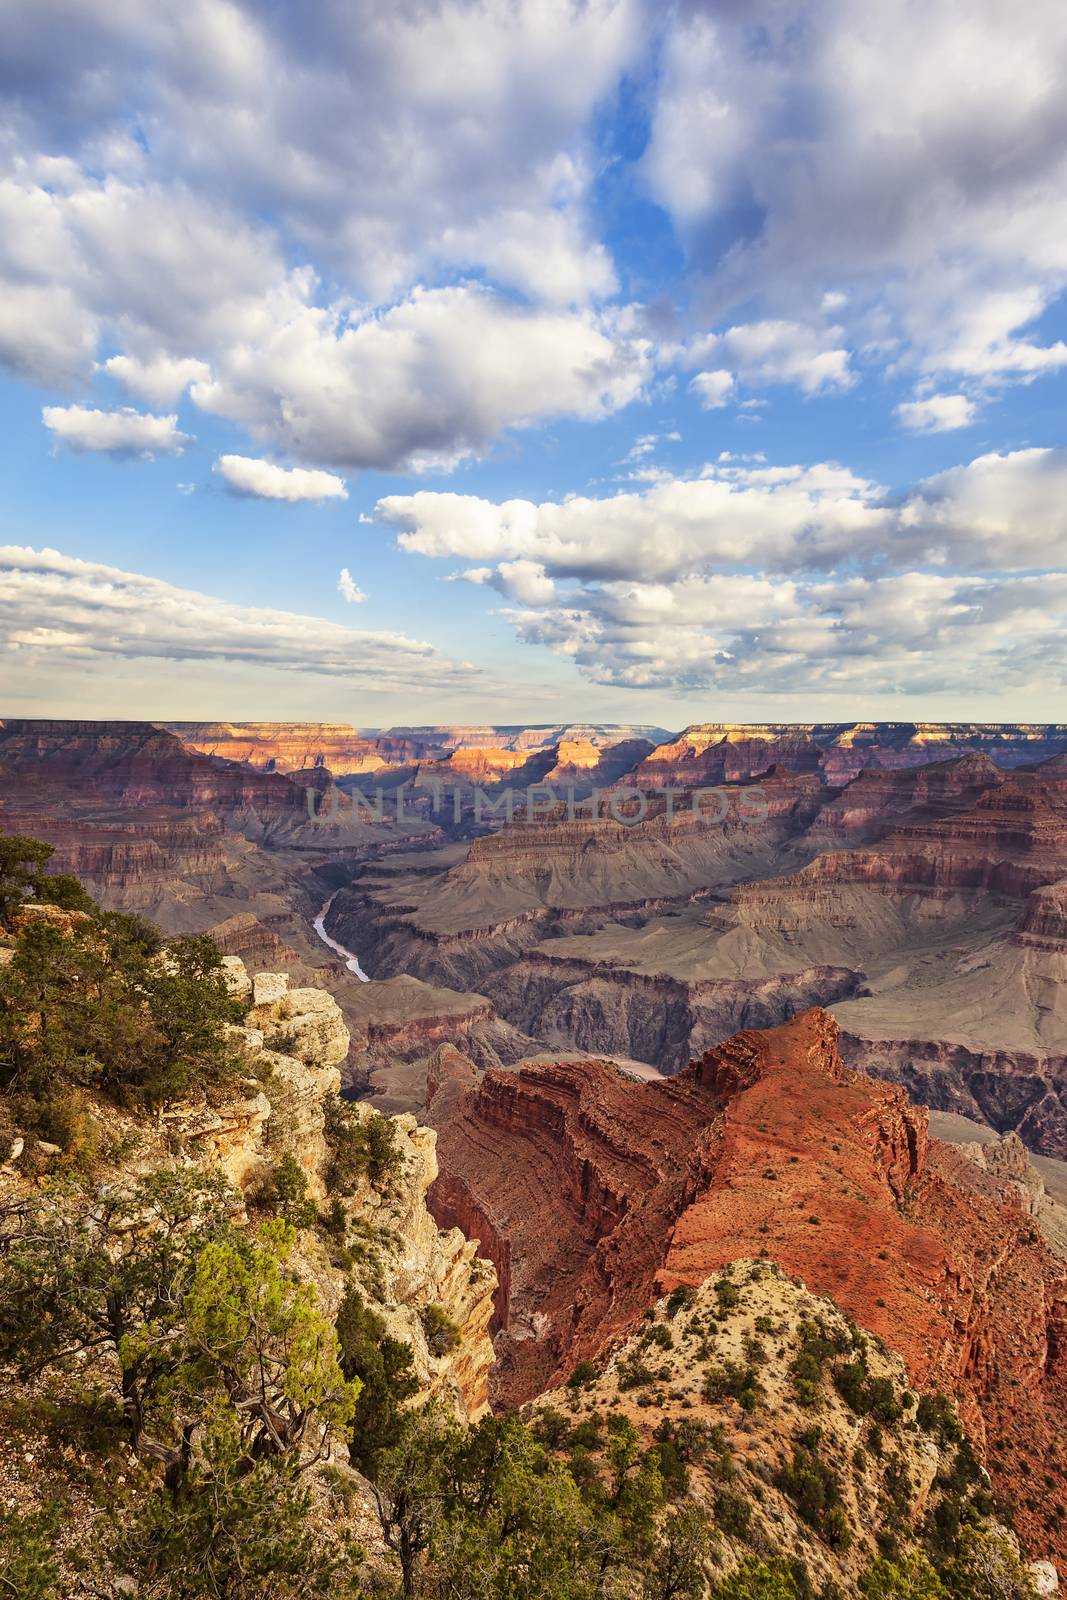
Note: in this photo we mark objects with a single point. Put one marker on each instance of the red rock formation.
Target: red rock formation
(1011, 841)
(713, 752)
(596, 1193)
(284, 746)
(138, 764)
(878, 796)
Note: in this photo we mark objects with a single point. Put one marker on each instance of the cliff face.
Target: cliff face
(300, 1036)
(715, 752)
(294, 1042)
(768, 1144)
(486, 753)
(138, 764)
(284, 746)
(601, 1008)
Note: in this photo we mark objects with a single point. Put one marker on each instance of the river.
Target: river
(351, 961)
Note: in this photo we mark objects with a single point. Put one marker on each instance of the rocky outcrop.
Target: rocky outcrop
(292, 1042)
(139, 764)
(485, 751)
(284, 746)
(878, 797)
(716, 752)
(769, 1144)
(1010, 1090)
(755, 1318)
(1043, 925)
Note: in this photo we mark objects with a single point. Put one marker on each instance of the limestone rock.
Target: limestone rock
(1046, 1578)
(308, 1024)
(268, 987)
(238, 983)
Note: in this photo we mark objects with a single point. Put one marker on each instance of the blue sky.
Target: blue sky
(632, 362)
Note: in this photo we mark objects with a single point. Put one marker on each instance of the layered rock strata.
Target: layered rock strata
(769, 1144)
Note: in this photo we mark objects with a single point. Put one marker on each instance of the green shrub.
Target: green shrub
(733, 1513)
(110, 1006)
(732, 1381)
(582, 1375)
(359, 1147)
(759, 1580)
(442, 1334)
(815, 1490)
(681, 1299)
(28, 1566)
(384, 1368)
(910, 1578)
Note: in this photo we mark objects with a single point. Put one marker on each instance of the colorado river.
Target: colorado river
(351, 961)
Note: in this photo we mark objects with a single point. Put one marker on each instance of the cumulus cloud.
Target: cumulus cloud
(349, 589)
(999, 511)
(160, 381)
(121, 433)
(914, 632)
(386, 140)
(938, 413)
(734, 516)
(429, 381)
(782, 578)
(930, 202)
(262, 480)
(775, 351)
(53, 606)
(713, 389)
(388, 147)
(524, 581)
(204, 301)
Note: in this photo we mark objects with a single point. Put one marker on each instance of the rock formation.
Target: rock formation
(894, 1473)
(769, 1144)
(294, 1041)
(716, 752)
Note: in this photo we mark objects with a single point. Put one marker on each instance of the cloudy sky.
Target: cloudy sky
(522, 360)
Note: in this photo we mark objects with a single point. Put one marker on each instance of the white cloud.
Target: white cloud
(116, 433)
(349, 589)
(925, 190)
(784, 518)
(385, 140)
(45, 335)
(197, 298)
(53, 606)
(524, 581)
(388, 147)
(429, 381)
(737, 579)
(264, 481)
(998, 512)
(160, 381)
(939, 413)
(713, 389)
(774, 351)
(916, 632)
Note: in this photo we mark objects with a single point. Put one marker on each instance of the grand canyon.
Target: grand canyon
(792, 997)
(533, 800)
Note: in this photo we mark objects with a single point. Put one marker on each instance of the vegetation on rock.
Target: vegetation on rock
(223, 1414)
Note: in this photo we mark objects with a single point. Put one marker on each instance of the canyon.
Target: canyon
(769, 1146)
(923, 904)
(689, 1014)
(911, 877)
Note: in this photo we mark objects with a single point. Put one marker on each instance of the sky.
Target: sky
(533, 360)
